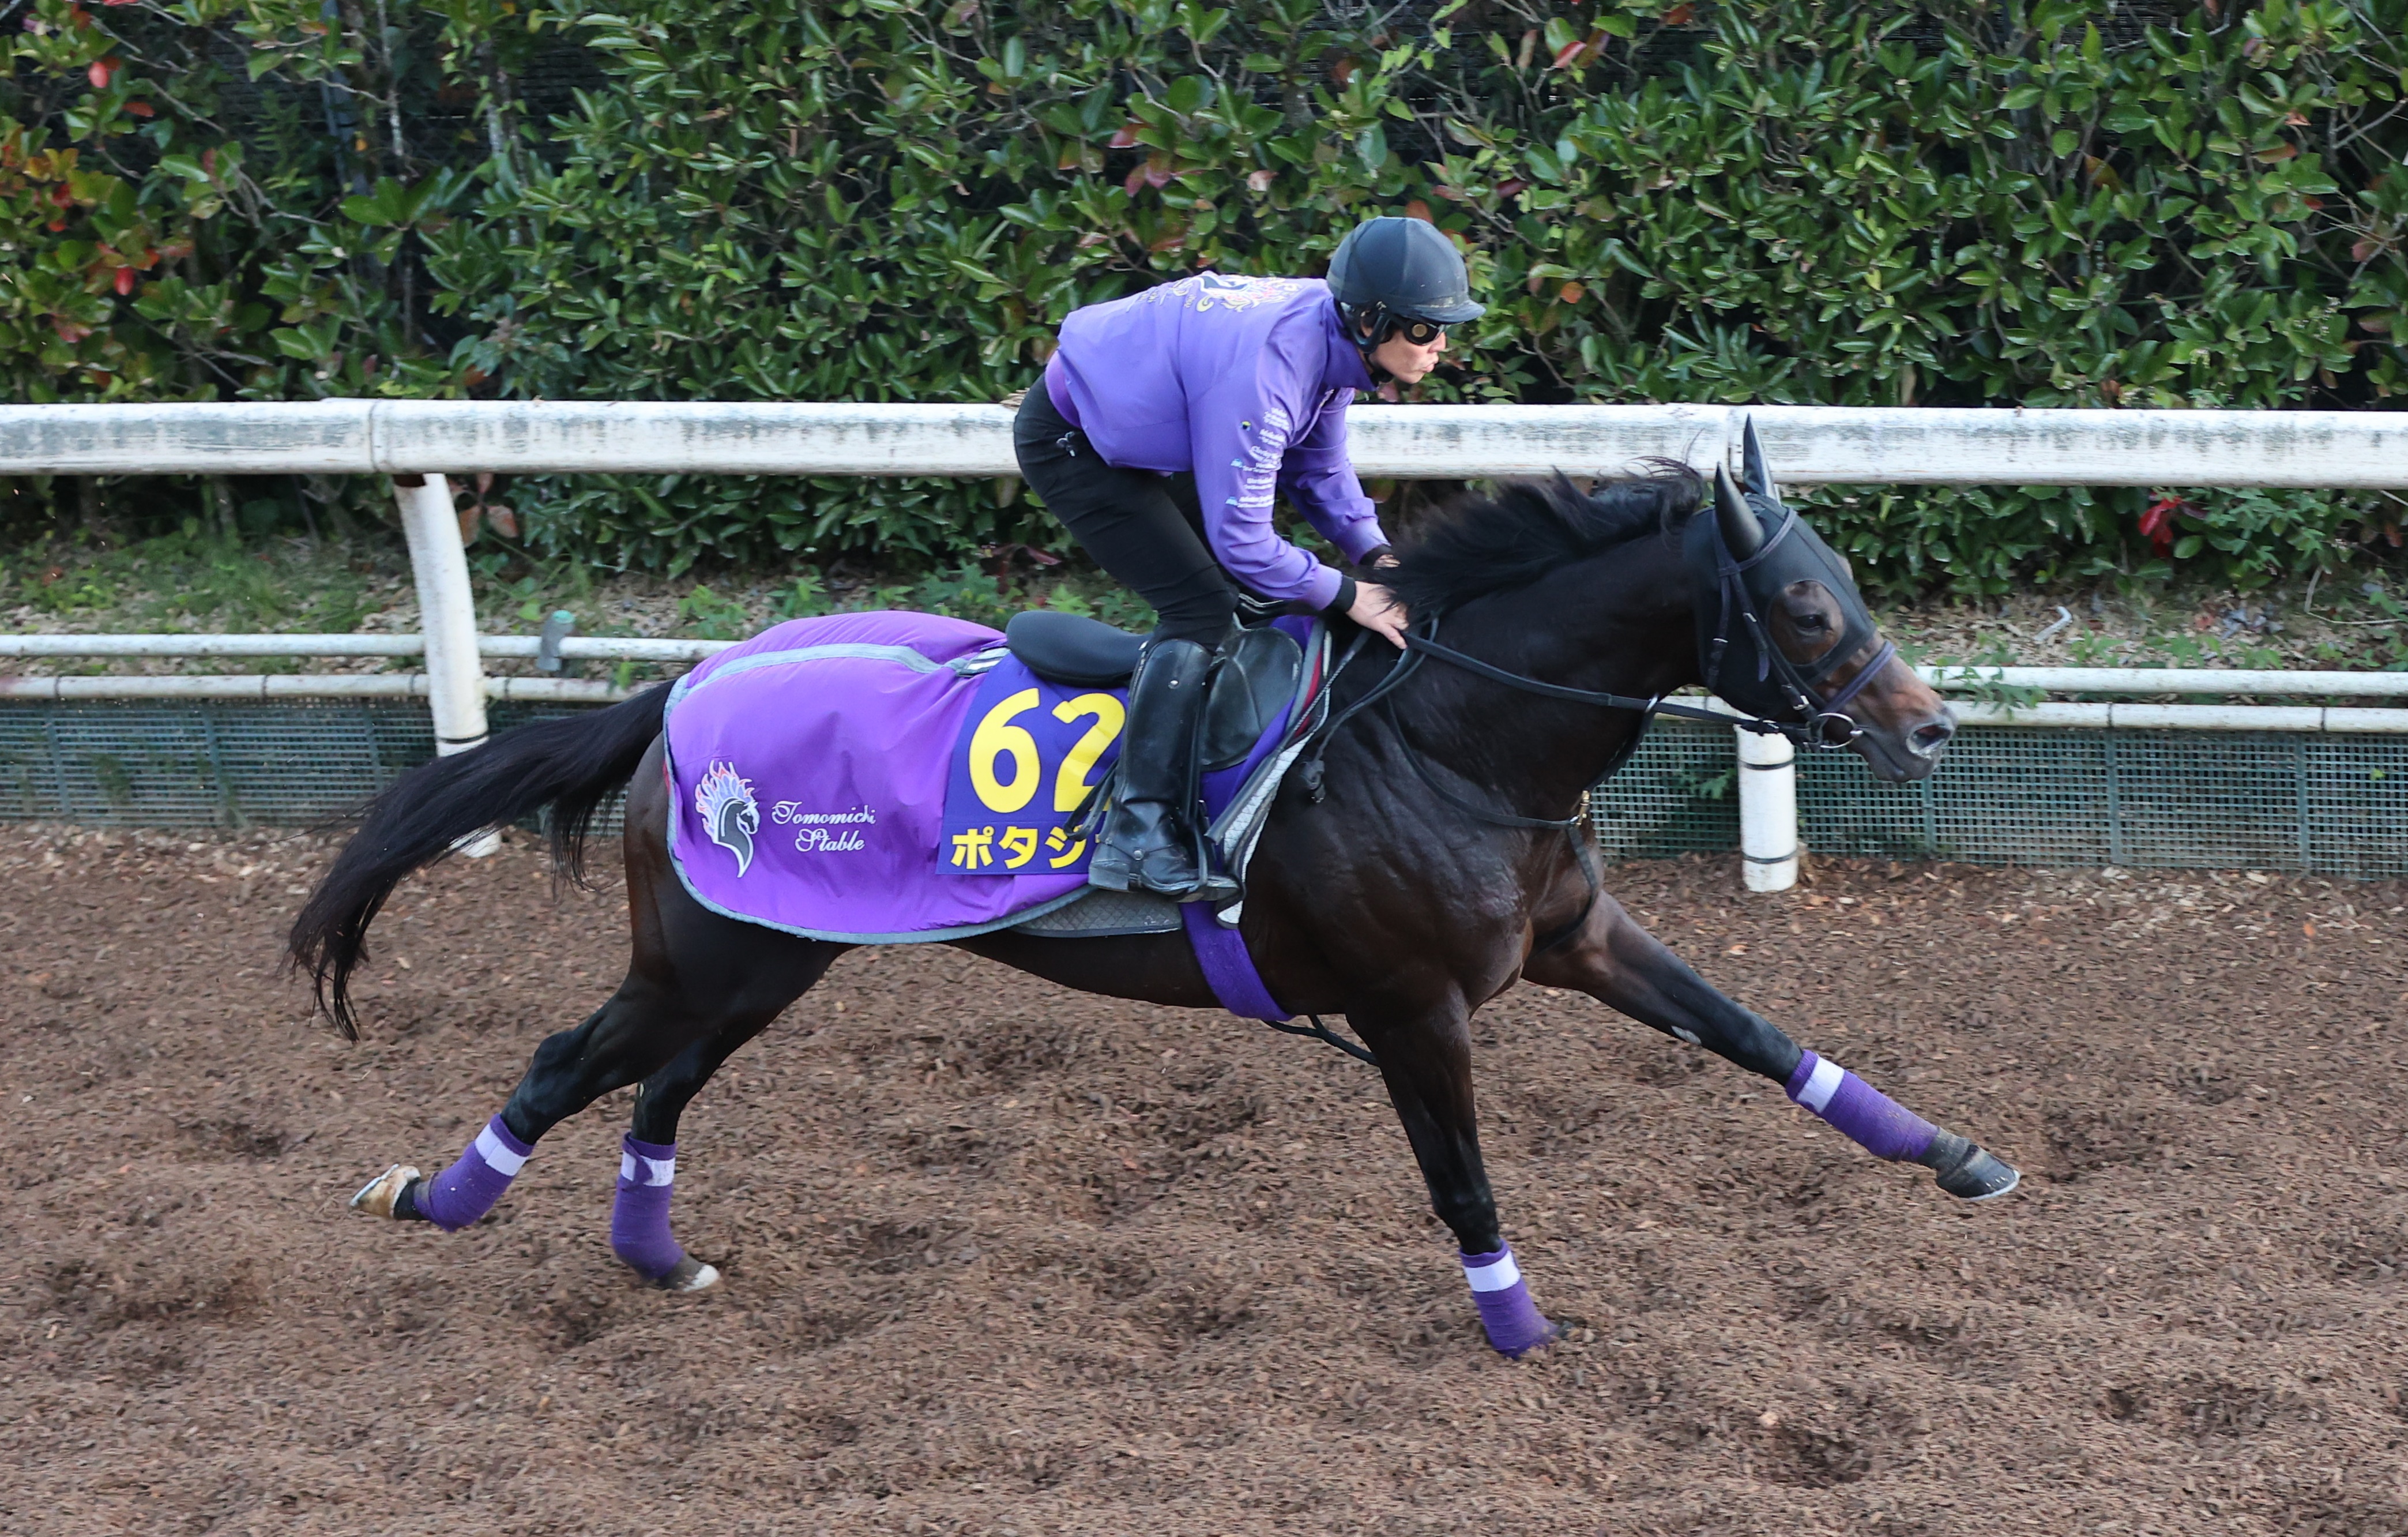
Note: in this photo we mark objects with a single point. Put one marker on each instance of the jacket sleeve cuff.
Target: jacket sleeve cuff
(1337, 607)
(1360, 538)
(1319, 587)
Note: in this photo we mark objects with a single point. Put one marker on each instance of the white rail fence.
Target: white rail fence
(418, 443)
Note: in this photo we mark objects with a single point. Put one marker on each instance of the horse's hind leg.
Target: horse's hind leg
(732, 987)
(639, 1217)
(1624, 968)
(630, 1035)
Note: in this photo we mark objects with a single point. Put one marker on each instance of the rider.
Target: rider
(1167, 422)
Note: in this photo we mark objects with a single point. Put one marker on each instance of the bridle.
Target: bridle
(1827, 725)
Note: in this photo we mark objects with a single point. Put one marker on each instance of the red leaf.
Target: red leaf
(1126, 137)
(469, 517)
(124, 281)
(100, 72)
(1571, 293)
(1159, 172)
(1681, 15)
(1261, 180)
(1569, 53)
(1342, 71)
(68, 330)
(505, 522)
(2157, 522)
(1507, 189)
(140, 108)
(1135, 179)
(1416, 208)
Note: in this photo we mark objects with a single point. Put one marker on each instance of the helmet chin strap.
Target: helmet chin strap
(1379, 317)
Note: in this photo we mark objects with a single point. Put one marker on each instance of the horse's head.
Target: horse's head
(1782, 633)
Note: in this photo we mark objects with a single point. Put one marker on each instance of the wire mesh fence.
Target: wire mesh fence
(2332, 804)
(211, 765)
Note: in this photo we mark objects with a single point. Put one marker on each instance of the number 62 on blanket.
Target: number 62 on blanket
(1030, 754)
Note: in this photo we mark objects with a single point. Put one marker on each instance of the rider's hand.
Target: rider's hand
(1376, 610)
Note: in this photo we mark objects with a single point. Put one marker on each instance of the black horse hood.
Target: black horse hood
(1740, 554)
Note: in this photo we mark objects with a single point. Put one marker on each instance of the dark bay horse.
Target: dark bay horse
(1425, 871)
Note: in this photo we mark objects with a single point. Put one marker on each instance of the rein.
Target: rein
(1804, 733)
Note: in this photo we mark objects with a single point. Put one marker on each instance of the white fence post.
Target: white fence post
(1767, 810)
(447, 616)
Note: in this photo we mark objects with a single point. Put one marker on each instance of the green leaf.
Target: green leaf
(1189, 94)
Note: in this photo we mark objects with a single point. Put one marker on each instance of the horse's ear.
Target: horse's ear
(1754, 475)
(1741, 533)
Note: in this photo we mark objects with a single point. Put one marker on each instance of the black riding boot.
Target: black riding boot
(1148, 842)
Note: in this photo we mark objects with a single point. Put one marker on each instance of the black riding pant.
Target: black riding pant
(1146, 529)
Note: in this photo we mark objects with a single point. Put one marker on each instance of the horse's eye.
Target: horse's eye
(1812, 621)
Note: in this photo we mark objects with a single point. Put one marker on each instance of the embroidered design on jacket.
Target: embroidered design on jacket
(1225, 291)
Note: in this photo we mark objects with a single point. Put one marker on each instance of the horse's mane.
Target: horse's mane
(1484, 544)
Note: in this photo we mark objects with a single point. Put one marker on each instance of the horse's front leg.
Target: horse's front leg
(1426, 1057)
(1624, 967)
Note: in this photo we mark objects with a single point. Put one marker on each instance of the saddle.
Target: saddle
(1256, 678)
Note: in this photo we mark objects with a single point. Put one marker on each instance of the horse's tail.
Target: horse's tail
(568, 766)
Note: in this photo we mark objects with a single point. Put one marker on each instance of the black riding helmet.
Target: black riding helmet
(1391, 269)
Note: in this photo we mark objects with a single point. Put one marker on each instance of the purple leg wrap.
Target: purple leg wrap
(1885, 1127)
(1514, 1322)
(466, 1191)
(639, 1218)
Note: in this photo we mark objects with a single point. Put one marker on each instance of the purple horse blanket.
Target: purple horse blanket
(888, 778)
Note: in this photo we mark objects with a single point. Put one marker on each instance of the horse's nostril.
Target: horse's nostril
(1930, 736)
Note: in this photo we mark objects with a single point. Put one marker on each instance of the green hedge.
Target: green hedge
(2045, 202)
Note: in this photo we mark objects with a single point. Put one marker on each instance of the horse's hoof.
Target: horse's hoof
(377, 1197)
(691, 1274)
(1967, 1172)
(1555, 1332)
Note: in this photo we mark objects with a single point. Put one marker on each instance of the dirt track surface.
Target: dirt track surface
(1004, 1260)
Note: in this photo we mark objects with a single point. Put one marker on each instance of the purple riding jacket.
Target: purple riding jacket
(1245, 382)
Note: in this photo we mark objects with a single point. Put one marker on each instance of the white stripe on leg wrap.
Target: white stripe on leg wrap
(636, 1171)
(1501, 1276)
(1823, 1083)
(498, 1157)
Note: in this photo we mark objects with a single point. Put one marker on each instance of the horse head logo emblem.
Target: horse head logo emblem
(732, 816)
